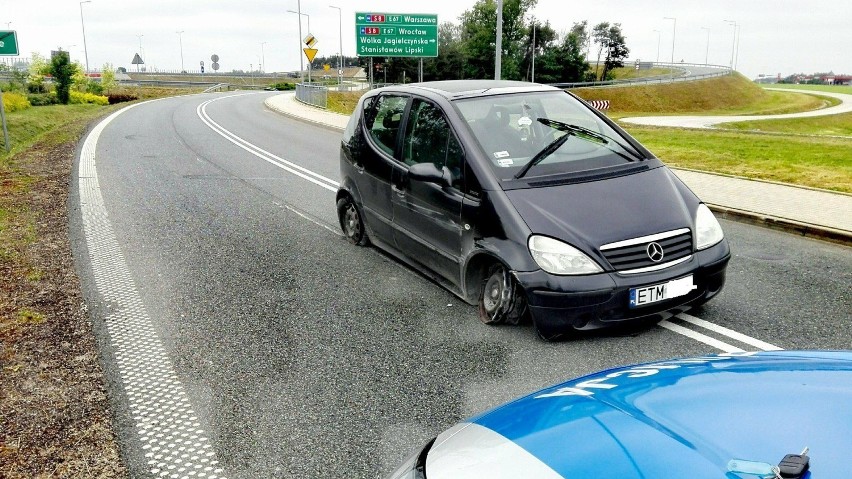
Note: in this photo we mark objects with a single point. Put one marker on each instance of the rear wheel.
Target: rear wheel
(501, 300)
(351, 222)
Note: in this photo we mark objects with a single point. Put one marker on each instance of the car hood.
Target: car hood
(664, 419)
(590, 214)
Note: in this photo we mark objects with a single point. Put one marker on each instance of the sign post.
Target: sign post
(396, 35)
(8, 47)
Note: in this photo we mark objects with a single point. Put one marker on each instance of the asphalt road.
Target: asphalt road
(303, 356)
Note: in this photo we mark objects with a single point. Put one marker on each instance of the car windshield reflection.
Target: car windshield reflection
(510, 133)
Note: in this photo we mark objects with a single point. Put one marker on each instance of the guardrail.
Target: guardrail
(684, 75)
(314, 95)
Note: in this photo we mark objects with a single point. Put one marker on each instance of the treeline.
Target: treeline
(466, 49)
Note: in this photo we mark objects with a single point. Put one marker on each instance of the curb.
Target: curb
(289, 114)
(742, 216)
(782, 224)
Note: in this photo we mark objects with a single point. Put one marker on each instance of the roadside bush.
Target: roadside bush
(78, 97)
(121, 97)
(63, 73)
(15, 101)
(283, 86)
(42, 99)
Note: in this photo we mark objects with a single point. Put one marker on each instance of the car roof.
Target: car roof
(692, 414)
(456, 89)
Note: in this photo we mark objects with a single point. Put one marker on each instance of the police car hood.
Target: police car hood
(679, 418)
(591, 213)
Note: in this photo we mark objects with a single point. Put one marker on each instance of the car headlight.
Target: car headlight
(556, 257)
(708, 231)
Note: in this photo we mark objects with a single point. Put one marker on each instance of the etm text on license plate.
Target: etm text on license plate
(661, 292)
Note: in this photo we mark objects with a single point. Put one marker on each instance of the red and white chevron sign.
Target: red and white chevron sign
(600, 104)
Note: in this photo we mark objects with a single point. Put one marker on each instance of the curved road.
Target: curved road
(244, 337)
(710, 121)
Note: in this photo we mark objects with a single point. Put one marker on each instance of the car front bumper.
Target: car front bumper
(559, 304)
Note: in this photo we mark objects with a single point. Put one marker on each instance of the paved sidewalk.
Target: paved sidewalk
(806, 211)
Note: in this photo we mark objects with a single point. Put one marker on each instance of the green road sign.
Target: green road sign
(396, 35)
(8, 43)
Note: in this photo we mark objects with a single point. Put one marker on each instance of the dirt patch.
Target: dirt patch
(54, 412)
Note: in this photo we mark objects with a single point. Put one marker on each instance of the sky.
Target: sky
(775, 36)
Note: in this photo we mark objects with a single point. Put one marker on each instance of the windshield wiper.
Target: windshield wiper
(579, 132)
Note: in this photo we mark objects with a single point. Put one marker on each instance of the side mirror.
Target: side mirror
(429, 173)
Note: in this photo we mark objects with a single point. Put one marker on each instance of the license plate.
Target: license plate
(661, 292)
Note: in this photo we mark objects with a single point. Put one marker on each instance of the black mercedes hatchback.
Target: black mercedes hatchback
(524, 200)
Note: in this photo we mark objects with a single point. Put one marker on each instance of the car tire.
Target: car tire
(501, 300)
(352, 222)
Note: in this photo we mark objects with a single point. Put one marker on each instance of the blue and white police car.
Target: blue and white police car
(779, 414)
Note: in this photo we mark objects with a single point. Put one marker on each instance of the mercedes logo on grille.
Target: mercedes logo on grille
(655, 252)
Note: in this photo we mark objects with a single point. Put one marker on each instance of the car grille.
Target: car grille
(631, 255)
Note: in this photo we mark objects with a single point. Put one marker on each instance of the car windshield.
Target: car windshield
(515, 130)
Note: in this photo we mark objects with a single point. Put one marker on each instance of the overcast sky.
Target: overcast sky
(777, 36)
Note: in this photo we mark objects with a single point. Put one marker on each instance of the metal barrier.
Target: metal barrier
(313, 95)
(684, 69)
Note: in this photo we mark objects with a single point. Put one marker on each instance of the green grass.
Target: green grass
(814, 162)
(835, 125)
(727, 95)
(26, 127)
(829, 88)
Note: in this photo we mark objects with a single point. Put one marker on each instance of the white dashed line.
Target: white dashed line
(175, 445)
(729, 333)
(703, 338)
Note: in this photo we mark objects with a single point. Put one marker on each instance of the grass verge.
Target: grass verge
(807, 161)
(831, 125)
(54, 412)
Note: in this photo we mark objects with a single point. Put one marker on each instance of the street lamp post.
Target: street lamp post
(532, 75)
(674, 32)
(262, 57)
(83, 24)
(300, 38)
(707, 52)
(180, 39)
(659, 36)
(733, 42)
(340, 54)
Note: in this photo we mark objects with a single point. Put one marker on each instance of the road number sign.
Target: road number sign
(8, 43)
(396, 35)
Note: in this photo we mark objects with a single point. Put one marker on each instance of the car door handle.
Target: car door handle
(358, 167)
(399, 192)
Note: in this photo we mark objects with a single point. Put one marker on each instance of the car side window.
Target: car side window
(383, 121)
(429, 139)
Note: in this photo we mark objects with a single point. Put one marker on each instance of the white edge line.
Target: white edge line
(729, 333)
(260, 152)
(703, 338)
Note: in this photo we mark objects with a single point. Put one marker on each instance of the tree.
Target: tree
(449, 63)
(616, 49)
(600, 35)
(107, 77)
(63, 71)
(38, 69)
(479, 37)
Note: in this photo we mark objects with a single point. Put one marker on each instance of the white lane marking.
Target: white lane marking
(255, 150)
(165, 421)
(267, 156)
(305, 216)
(703, 338)
(729, 333)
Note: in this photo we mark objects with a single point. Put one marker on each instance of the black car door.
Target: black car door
(381, 125)
(427, 215)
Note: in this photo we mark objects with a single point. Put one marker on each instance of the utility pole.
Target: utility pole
(532, 77)
(83, 24)
(262, 57)
(340, 53)
(498, 51)
(180, 39)
(707, 53)
(674, 32)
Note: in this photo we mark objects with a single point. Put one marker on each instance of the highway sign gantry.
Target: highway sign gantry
(9, 43)
(396, 35)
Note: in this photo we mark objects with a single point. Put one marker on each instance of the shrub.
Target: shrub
(15, 101)
(121, 97)
(78, 97)
(282, 86)
(63, 72)
(42, 99)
